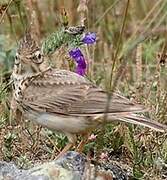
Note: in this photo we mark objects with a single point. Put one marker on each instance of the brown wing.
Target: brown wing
(64, 92)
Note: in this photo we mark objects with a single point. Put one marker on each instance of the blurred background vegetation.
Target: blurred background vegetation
(130, 56)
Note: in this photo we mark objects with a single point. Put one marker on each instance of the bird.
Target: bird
(64, 101)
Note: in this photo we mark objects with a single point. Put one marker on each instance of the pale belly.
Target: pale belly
(63, 124)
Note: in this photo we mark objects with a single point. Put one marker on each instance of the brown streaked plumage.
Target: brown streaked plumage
(65, 101)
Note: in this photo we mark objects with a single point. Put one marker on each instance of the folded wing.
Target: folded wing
(65, 93)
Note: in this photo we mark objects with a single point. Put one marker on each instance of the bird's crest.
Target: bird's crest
(27, 45)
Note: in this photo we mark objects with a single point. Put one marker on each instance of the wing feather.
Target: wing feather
(65, 92)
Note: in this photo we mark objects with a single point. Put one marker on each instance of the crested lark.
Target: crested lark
(65, 101)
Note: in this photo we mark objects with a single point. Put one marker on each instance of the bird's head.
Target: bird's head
(28, 56)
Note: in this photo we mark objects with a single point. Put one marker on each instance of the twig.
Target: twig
(139, 64)
(106, 11)
(144, 20)
(7, 86)
(34, 24)
(120, 71)
(5, 11)
(82, 9)
(118, 45)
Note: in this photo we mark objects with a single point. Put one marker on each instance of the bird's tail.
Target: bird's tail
(139, 120)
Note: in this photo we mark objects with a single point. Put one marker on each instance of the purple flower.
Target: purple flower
(77, 55)
(89, 38)
(81, 62)
(81, 71)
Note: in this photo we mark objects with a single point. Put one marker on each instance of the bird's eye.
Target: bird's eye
(37, 57)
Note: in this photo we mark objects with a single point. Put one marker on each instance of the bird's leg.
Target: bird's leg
(72, 140)
(82, 143)
(65, 149)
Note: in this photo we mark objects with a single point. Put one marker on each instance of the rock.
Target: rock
(71, 166)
